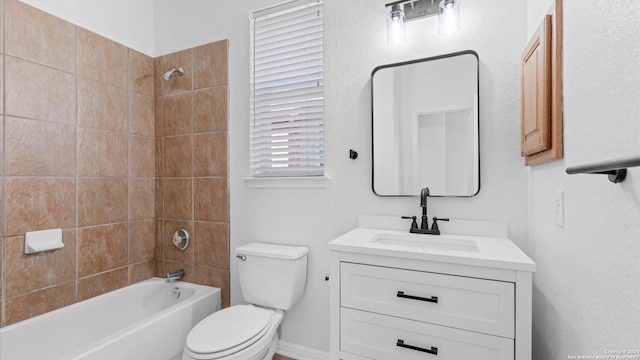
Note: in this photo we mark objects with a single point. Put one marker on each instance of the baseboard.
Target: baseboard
(300, 352)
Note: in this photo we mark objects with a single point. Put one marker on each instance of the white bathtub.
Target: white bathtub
(142, 321)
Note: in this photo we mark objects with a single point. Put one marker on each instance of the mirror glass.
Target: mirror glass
(425, 126)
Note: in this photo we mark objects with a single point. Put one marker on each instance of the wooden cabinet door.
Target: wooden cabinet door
(536, 91)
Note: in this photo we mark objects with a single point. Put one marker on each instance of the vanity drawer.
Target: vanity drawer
(384, 337)
(480, 305)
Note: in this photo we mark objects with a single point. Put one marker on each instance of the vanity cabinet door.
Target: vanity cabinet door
(383, 337)
(485, 306)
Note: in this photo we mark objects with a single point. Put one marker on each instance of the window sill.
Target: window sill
(308, 182)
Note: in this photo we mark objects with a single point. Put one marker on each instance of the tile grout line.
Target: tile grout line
(77, 179)
(128, 166)
(193, 165)
(3, 257)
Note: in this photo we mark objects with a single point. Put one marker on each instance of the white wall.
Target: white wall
(130, 23)
(355, 43)
(587, 286)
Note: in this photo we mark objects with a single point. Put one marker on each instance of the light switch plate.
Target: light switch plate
(559, 207)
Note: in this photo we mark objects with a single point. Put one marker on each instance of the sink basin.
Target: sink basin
(425, 242)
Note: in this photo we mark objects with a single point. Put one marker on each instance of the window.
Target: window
(287, 90)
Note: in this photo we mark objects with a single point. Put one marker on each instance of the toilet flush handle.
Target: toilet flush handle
(242, 257)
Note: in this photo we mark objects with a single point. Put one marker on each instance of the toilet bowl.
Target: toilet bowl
(241, 332)
(272, 279)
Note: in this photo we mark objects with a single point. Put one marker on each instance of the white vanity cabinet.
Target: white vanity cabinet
(390, 303)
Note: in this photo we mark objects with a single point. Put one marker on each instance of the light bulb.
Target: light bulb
(448, 17)
(396, 27)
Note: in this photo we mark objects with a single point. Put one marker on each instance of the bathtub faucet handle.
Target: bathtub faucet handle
(171, 277)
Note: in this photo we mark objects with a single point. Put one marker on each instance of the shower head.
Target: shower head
(170, 73)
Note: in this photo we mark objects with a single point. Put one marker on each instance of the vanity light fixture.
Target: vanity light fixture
(448, 12)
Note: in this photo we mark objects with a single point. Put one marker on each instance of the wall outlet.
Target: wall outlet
(559, 207)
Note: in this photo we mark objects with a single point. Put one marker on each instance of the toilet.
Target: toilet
(272, 279)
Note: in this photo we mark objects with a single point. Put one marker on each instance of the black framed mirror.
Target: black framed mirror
(425, 126)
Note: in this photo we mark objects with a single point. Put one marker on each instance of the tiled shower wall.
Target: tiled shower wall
(191, 164)
(77, 151)
(76, 106)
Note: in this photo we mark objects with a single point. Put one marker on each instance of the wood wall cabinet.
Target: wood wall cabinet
(541, 112)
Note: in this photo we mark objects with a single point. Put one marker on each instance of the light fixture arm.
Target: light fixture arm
(417, 9)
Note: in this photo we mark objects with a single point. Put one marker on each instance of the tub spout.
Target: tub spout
(171, 277)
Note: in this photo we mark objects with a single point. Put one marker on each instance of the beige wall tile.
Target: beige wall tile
(159, 209)
(141, 240)
(177, 116)
(27, 306)
(141, 199)
(99, 284)
(142, 156)
(102, 153)
(102, 106)
(158, 250)
(142, 271)
(210, 109)
(159, 168)
(141, 73)
(159, 270)
(102, 59)
(2, 271)
(211, 242)
(141, 114)
(102, 201)
(178, 199)
(210, 276)
(40, 148)
(177, 83)
(159, 114)
(1, 244)
(211, 200)
(177, 159)
(171, 252)
(1, 78)
(157, 75)
(102, 248)
(210, 65)
(31, 272)
(1, 154)
(39, 92)
(2, 11)
(210, 154)
(36, 203)
(37, 36)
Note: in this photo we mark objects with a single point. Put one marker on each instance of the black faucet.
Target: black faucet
(424, 226)
(424, 194)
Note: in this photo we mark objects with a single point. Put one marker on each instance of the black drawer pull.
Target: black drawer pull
(433, 299)
(433, 351)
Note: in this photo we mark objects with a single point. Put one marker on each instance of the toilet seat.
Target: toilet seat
(228, 331)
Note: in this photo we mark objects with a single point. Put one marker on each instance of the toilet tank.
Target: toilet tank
(271, 275)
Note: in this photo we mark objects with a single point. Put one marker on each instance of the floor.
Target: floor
(280, 357)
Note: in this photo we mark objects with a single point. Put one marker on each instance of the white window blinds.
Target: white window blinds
(287, 90)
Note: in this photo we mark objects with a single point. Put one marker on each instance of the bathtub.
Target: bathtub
(143, 321)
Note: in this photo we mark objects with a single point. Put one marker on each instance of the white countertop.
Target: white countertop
(491, 251)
